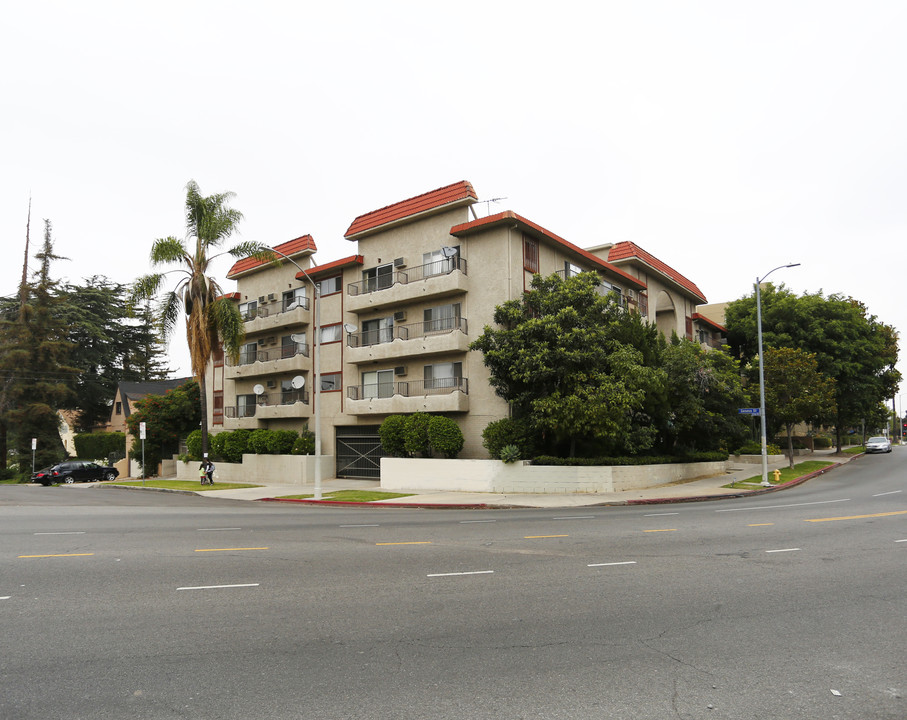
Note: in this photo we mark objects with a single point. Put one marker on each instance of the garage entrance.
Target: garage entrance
(359, 452)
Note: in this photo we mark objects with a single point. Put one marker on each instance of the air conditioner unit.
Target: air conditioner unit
(400, 316)
(272, 383)
(399, 262)
(270, 297)
(261, 341)
(400, 370)
(272, 340)
(261, 299)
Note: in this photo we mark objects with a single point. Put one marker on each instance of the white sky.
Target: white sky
(726, 138)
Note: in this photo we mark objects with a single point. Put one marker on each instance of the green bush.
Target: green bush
(507, 431)
(194, 444)
(216, 444)
(510, 453)
(820, 442)
(416, 435)
(99, 445)
(304, 444)
(711, 456)
(393, 436)
(445, 436)
(235, 445)
(258, 441)
(280, 442)
(755, 448)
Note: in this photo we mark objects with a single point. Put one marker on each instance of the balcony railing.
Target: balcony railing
(409, 388)
(411, 331)
(284, 397)
(410, 275)
(263, 311)
(280, 353)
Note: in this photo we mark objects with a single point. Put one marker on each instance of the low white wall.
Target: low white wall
(264, 470)
(494, 476)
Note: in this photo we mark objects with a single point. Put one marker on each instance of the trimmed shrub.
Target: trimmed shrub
(712, 456)
(821, 442)
(236, 443)
(258, 441)
(280, 442)
(416, 435)
(393, 436)
(507, 431)
(216, 445)
(98, 445)
(304, 444)
(755, 448)
(194, 444)
(445, 436)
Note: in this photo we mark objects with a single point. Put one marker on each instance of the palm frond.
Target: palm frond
(168, 250)
(168, 313)
(228, 323)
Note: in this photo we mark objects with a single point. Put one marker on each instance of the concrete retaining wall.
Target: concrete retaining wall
(494, 476)
(264, 469)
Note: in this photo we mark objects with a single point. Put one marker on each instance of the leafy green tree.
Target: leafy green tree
(795, 390)
(704, 395)
(445, 436)
(211, 319)
(577, 367)
(851, 346)
(167, 418)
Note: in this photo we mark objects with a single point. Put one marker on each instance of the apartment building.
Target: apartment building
(397, 316)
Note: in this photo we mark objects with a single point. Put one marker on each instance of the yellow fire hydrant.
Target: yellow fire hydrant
(777, 474)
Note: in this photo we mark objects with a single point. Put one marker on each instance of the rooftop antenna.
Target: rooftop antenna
(488, 204)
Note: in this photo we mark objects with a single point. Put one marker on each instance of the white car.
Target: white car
(878, 444)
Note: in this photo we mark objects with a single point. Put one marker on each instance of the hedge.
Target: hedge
(632, 460)
(99, 445)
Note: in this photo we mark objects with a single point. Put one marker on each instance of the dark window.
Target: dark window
(530, 255)
(330, 382)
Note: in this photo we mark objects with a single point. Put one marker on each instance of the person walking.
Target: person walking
(203, 471)
(210, 471)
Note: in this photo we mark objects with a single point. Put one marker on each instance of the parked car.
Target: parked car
(878, 444)
(75, 471)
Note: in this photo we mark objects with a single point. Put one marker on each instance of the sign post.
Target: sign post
(34, 445)
(142, 438)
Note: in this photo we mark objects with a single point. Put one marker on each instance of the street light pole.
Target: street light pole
(759, 282)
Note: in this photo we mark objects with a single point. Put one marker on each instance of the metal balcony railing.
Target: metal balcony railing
(263, 311)
(402, 277)
(283, 397)
(283, 352)
(410, 331)
(409, 388)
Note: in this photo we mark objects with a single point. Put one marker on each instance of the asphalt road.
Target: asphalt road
(123, 604)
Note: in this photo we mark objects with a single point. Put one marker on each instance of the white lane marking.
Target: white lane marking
(574, 517)
(904, 540)
(772, 507)
(218, 587)
(5, 597)
(74, 532)
(348, 526)
(784, 550)
(216, 529)
(893, 492)
(474, 572)
(626, 562)
(659, 514)
(467, 522)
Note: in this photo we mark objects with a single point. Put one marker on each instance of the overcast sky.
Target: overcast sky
(726, 138)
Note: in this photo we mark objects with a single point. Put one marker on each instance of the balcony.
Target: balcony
(431, 337)
(438, 395)
(436, 279)
(285, 359)
(269, 406)
(277, 315)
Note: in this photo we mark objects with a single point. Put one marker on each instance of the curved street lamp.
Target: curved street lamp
(759, 281)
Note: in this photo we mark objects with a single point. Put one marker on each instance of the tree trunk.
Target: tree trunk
(203, 401)
(790, 444)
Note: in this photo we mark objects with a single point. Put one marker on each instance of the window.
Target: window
(328, 286)
(217, 354)
(329, 334)
(293, 299)
(119, 408)
(217, 407)
(249, 310)
(378, 384)
(380, 330)
(441, 318)
(248, 354)
(571, 270)
(289, 394)
(530, 255)
(245, 405)
(443, 376)
(330, 382)
(436, 264)
(292, 345)
(378, 278)
(689, 328)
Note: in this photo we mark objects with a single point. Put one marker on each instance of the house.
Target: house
(397, 316)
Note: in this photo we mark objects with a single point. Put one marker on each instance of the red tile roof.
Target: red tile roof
(509, 216)
(460, 193)
(703, 319)
(291, 247)
(324, 270)
(628, 250)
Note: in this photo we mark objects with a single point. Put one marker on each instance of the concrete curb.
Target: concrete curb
(373, 504)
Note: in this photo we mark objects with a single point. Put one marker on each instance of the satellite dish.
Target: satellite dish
(349, 327)
(258, 389)
(297, 338)
(448, 252)
(297, 382)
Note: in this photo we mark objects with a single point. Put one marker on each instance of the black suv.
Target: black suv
(75, 471)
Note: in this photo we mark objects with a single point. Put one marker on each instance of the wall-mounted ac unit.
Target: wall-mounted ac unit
(261, 341)
(272, 383)
(261, 299)
(270, 297)
(399, 262)
(272, 340)
(400, 316)
(400, 370)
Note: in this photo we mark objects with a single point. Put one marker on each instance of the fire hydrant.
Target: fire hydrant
(777, 474)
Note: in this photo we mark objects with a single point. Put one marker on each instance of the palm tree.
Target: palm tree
(211, 319)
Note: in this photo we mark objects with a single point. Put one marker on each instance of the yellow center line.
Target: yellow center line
(664, 530)
(760, 524)
(420, 542)
(859, 517)
(64, 555)
(230, 549)
(535, 537)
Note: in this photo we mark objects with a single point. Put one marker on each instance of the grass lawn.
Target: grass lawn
(194, 486)
(800, 469)
(351, 496)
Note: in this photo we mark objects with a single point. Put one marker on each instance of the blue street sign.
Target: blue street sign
(748, 411)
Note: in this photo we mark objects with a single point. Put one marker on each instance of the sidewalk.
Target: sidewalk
(699, 489)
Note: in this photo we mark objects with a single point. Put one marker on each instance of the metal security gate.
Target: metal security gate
(359, 452)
